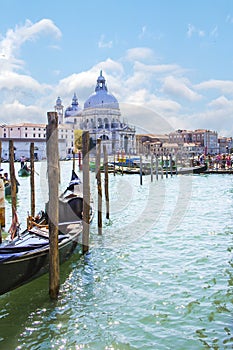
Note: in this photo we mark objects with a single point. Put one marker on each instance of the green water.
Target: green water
(160, 276)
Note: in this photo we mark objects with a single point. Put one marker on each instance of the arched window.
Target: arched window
(100, 123)
(106, 123)
(114, 123)
(104, 137)
(92, 123)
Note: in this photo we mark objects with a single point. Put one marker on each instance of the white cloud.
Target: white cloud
(225, 86)
(229, 18)
(21, 112)
(143, 32)
(157, 68)
(214, 32)
(139, 53)
(193, 30)
(11, 80)
(104, 44)
(179, 88)
(26, 93)
(221, 103)
(10, 45)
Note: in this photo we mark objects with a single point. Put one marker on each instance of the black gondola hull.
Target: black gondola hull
(16, 272)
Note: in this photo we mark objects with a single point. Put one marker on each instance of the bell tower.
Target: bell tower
(59, 108)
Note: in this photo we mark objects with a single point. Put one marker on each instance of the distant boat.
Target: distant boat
(26, 256)
(24, 171)
(198, 169)
(8, 188)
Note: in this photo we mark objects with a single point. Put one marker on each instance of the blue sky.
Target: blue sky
(168, 62)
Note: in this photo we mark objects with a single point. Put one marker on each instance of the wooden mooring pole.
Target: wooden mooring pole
(2, 206)
(73, 154)
(151, 167)
(166, 161)
(114, 164)
(157, 167)
(171, 168)
(80, 160)
(53, 181)
(106, 181)
(12, 177)
(86, 192)
(140, 169)
(162, 167)
(99, 186)
(32, 179)
(2, 199)
(0, 154)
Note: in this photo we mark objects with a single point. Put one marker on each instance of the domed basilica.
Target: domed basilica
(101, 116)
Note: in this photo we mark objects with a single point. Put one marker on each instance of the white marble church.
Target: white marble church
(101, 116)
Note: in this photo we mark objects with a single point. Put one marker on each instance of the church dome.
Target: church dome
(74, 109)
(101, 98)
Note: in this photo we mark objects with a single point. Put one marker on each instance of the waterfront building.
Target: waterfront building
(225, 144)
(24, 134)
(151, 143)
(101, 116)
(197, 141)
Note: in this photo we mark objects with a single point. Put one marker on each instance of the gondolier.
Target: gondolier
(22, 161)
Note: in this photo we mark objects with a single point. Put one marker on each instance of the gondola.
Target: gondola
(7, 187)
(24, 171)
(198, 169)
(26, 255)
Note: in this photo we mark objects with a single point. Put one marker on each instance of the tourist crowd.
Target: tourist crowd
(219, 161)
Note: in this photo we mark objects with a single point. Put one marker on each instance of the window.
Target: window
(34, 135)
(26, 135)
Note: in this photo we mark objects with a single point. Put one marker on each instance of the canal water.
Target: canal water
(160, 276)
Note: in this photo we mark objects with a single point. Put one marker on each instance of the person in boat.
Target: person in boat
(22, 161)
(6, 179)
(26, 167)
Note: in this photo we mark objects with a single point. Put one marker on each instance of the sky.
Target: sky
(169, 63)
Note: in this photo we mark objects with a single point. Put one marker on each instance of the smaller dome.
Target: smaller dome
(74, 109)
(58, 102)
